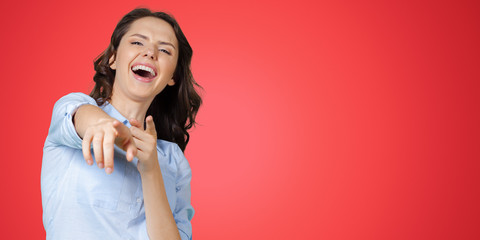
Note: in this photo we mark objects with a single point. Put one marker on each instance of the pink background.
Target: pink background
(321, 119)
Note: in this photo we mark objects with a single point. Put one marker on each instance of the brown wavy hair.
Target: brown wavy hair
(175, 108)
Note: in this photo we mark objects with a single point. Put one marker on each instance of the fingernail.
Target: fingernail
(109, 170)
(89, 162)
(100, 165)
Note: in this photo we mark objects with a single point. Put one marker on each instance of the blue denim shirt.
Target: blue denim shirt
(83, 202)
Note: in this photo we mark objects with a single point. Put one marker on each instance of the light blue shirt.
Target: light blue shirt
(83, 202)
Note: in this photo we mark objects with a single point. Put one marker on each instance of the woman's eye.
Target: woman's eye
(165, 51)
(137, 43)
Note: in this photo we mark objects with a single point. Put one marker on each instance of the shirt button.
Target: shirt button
(139, 200)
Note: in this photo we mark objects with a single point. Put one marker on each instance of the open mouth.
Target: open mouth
(144, 71)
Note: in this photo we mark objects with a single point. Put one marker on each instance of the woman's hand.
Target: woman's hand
(146, 142)
(103, 135)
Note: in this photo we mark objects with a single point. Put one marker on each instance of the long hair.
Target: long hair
(175, 108)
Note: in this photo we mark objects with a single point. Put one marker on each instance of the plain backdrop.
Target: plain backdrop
(321, 119)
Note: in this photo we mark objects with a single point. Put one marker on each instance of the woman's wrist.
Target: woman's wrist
(88, 115)
(149, 172)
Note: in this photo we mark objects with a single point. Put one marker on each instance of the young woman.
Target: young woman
(135, 123)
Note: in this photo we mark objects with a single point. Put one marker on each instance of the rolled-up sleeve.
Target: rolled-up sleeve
(183, 209)
(62, 131)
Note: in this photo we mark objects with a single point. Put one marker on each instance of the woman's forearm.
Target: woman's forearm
(159, 217)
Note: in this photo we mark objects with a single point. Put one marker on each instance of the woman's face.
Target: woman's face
(145, 61)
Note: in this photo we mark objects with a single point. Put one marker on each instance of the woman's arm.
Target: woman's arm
(159, 217)
(76, 116)
(62, 131)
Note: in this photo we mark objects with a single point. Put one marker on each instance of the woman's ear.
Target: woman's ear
(112, 62)
(171, 82)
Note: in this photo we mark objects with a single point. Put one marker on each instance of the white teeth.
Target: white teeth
(144, 68)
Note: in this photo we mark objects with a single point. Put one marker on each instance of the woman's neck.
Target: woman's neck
(130, 109)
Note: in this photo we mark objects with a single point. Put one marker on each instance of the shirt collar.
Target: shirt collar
(113, 112)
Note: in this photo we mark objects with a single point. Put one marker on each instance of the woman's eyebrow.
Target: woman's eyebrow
(146, 38)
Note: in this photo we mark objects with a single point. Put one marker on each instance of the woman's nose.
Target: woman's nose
(151, 53)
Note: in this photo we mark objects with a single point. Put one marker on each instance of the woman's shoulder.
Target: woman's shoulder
(166, 147)
(171, 150)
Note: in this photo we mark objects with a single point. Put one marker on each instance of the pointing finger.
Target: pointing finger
(98, 149)
(86, 142)
(151, 126)
(108, 149)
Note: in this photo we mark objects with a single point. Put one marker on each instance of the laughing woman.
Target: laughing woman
(133, 127)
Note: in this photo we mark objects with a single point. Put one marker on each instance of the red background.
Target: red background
(321, 120)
